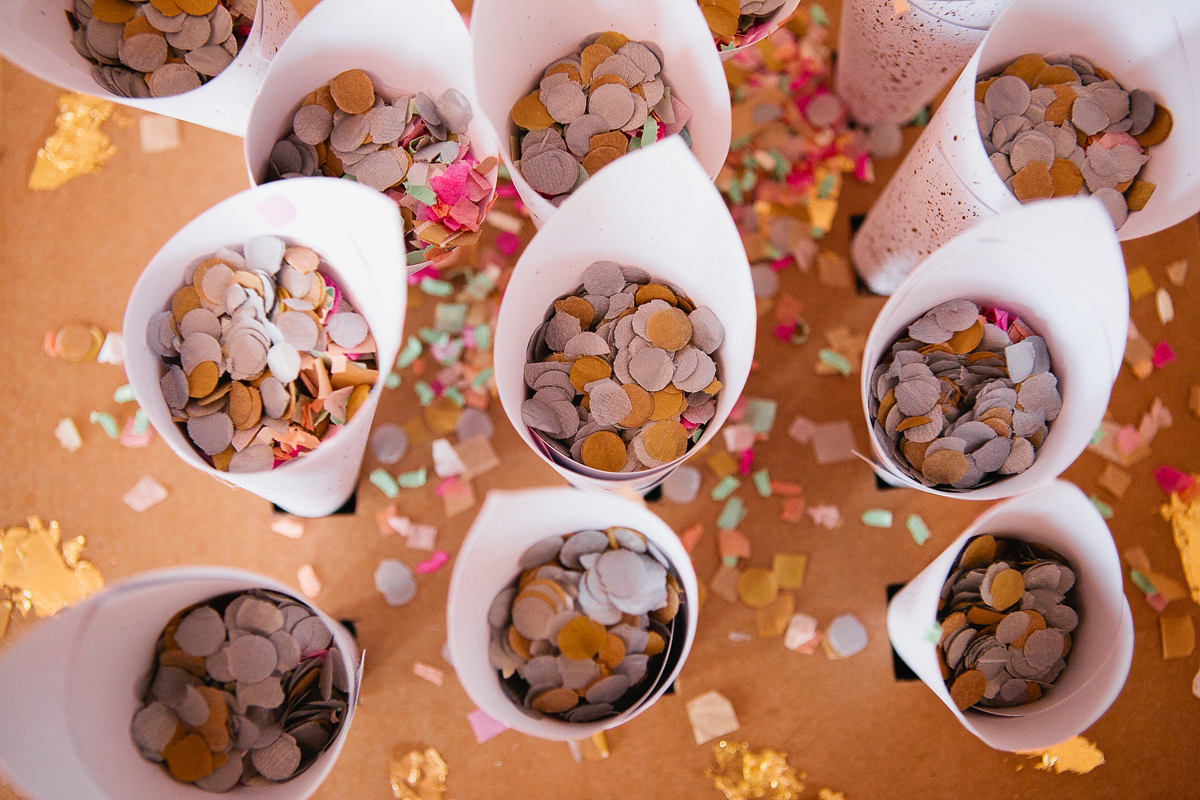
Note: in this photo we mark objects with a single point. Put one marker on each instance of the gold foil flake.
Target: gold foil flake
(1185, 522)
(830, 794)
(41, 573)
(744, 774)
(419, 775)
(1074, 755)
(593, 748)
(6, 608)
(77, 146)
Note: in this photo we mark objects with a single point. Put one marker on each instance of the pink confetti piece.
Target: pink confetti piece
(1128, 439)
(145, 494)
(429, 673)
(310, 584)
(277, 210)
(129, 438)
(828, 516)
(691, 536)
(747, 461)
(802, 429)
(1163, 355)
(433, 563)
(484, 726)
(422, 537)
(1173, 480)
(1157, 602)
(287, 525)
(508, 243)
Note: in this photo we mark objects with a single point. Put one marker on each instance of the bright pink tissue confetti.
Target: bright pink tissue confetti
(1128, 439)
(508, 243)
(484, 726)
(1173, 480)
(1163, 355)
(747, 461)
(433, 563)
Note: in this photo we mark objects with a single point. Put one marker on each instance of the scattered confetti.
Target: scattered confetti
(68, 435)
(483, 726)
(158, 133)
(1164, 306)
(833, 442)
(429, 673)
(1102, 507)
(802, 429)
(288, 525)
(827, 516)
(1178, 635)
(732, 545)
(711, 715)
(418, 775)
(1140, 283)
(145, 494)
(107, 422)
(433, 563)
(1177, 271)
(789, 569)
(77, 146)
(802, 634)
(1115, 480)
(846, 636)
(1185, 523)
(395, 582)
(310, 584)
(917, 527)
(1076, 755)
(725, 487)
(744, 774)
(877, 518)
(40, 572)
(691, 536)
(732, 515)
(112, 351)
(384, 482)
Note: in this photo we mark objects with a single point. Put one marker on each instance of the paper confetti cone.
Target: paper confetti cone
(36, 37)
(515, 40)
(357, 232)
(890, 65)
(654, 209)
(507, 525)
(946, 183)
(70, 688)
(404, 45)
(1058, 267)
(763, 30)
(1060, 517)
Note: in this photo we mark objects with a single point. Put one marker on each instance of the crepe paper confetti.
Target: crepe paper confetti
(418, 775)
(429, 673)
(425, 393)
(835, 361)
(508, 243)
(732, 545)
(505, 222)
(691, 536)
(1173, 480)
(384, 482)
(1185, 524)
(413, 479)
(457, 496)
(392, 381)
(1115, 480)
(789, 569)
(760, 414)
(725, 487)
(1140, 283)
(1142, 582)
(1163, 355)
(762, 482)
(1104, 508)
(1178, 635)
(792, 509)
(711, 715)
(1177, 271)
(740, 773)
(1164, 306)
(433, 563)
(1076, 755)
(828, 516)
(724, 582)
(802, 429)
(917, 528)
(772, 620)
(722, 464)
(137, 431)
(77, 146)
(877, 518)
(786, 488)
(107, 422)
(593, 748)
(483, 726)
(145, 494)
(40, 572)
(310, 584)
(833, 442)
(1098, 436)
(68, 435)
(747, 460)
(802, 634)
(846, 636)
(288, 525)
(732, 514)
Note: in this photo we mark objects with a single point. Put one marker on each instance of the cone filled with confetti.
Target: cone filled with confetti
(760, 27)
(894, 56)
(655, 211)
(70, 689)
(209, 88)
(397, 78)
(1057, 516)
(1046, 279)
(517, 40)
(948, 181)
(311, 468)
(510, 528)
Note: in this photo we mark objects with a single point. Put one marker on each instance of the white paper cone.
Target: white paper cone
(515, 40)
(946, 182)
(773, 24)
(1056, 265)
(507, 525)
(1060, 517)
(404, 45)
(889, 67)
(70, 688)
(35, 36)
(654, 209)
(356, 231)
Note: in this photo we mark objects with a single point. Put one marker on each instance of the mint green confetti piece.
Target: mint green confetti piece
(686, 135)
(760, 414)
(1142, 582)
(818, 15)
(742, 141)
(452, 354)
(697, 433)
(424, 392)
(1104, 508)
(730, 561)
(827, 184)
(422, 194)
(877, 518)
(933, 634)
(450, 317)
(410, 353)
(1098, 436)
(502, 172)
(436, 288)
(817, 233)
(918, 528)
(141, 423)
(649, 132)
(392, 381)
(454, 394)
(727, 486)
(483, 337)
(749, 181)
(835, 360)
(480, 285)
(481, 380)
(434, 337)
(921, 119)
(413, 480)
(762, 482)
(384, 482)
(414, 257)
(732, 515)
(124, 394)
(105, 421)
(735, 193)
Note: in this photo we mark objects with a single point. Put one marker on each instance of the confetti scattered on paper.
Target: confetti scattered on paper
(917, 528)
(1076, 755)
(68, 435)
(1178, 633)
(77, 146)
(287, 525)
(711, 715)
(744, 774)
(429, 673)
(593, 748)
(158, 133)
(40, 572)
(418, 775)
(1185, 523)
(145, 494)
(484, 726)
(877, 518)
